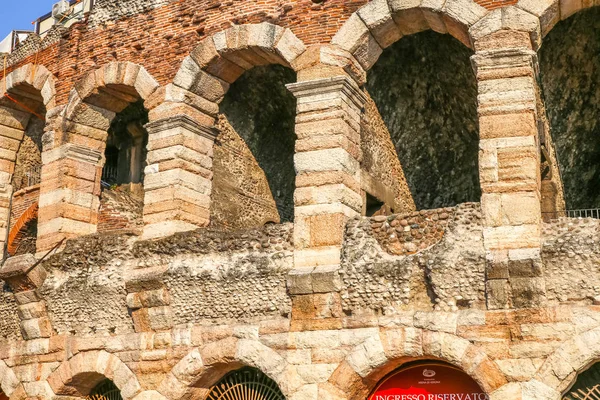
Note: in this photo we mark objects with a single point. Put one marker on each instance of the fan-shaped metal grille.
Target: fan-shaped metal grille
(587, 386)
(246, 384)
(105, 390)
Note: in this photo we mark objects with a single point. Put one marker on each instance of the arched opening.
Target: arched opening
(587, 385)
(105, 390)
(245, 384)
(427, 379)
(569, 78)
(21, 150)
(122, 197)
(425, 91)
(254, 176)
(110, 120)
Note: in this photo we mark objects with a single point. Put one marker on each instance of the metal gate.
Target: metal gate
(246, 384)
(587, 386)
(106, 390)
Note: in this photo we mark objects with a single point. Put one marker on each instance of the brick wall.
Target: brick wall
(119, 209)
(22, 200)
(160, 38)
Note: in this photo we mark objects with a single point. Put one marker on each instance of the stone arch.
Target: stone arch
(380, 23)
(551, 12)
(8, 380)
(560, 370)
(372, 360)
(199, 86)
(77, 152)
(28, 95)
(20, 227)
(77, 376)
(223, 57)
(200, 369)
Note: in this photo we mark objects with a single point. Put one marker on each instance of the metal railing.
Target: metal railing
(34, 175)
(109, 175)
(584, 213)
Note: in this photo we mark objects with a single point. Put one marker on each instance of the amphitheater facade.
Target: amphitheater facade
(304, 198)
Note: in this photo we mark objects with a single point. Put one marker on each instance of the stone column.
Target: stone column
(148, 299)
(69, 193)
(328, 193)
(25, 277)
(327, 164)
(509, 164)
(178, 178)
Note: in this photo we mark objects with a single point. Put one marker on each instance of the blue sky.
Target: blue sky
(18, 14)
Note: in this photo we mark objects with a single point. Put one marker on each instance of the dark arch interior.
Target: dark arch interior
(126, 146)
(256, 136)
(570, 80)
(426, 92)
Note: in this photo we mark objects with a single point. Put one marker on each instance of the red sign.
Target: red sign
(428, 381)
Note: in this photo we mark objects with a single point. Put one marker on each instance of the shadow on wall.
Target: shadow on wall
(426, 92)
(254, 176)
(570, 80)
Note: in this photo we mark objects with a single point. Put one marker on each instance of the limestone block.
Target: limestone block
(13, 118)
(90, 115)
(36, 328)
(528, 292)
(175, 94)
(166, 228)
(464, 12)
(514, 18)
(299, 281)
(22, 273)
(326, 279)
(367, 357)
(326, 160)
(328, 194)
(498, 294)
(487, 25)
(252, 352)
(306, 392)
(211, 61)
(509, 391)
(316, 373)
(289, 47)
(436, 321)
(409, 17)
(355, 37)
(32, 310)
(378, 18)
(454, 348)
(548, 12)
(172, 388)
(511, 237)
(307, 257)
(86, 85)
(145, 84)
(192, 78)
(569, 7)
(534, 390)
(264, 35)
(520, 370)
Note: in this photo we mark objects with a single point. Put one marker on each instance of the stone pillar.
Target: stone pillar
(12, 129)
(328, 193)
(509, 164)
(327, 164)
(148, 299)
(69, 193)
(25, 277)
(178, 178)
